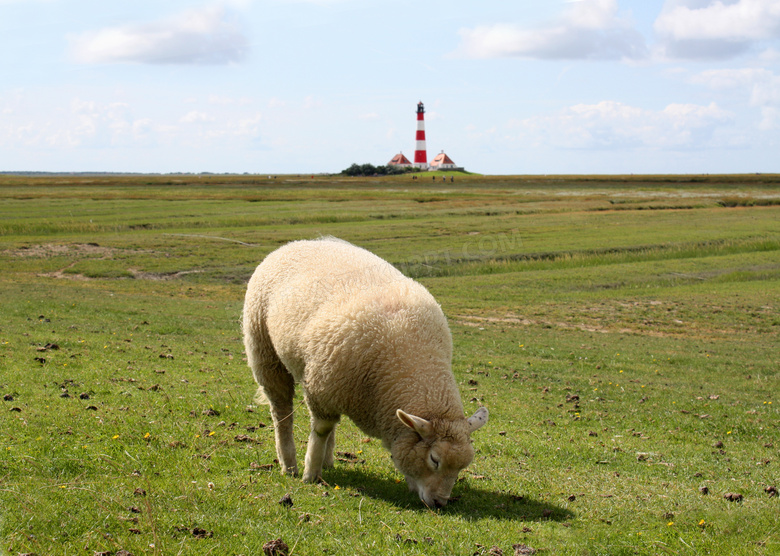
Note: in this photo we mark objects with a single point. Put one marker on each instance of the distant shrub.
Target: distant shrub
(371, 170)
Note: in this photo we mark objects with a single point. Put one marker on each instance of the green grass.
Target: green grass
(622, 330)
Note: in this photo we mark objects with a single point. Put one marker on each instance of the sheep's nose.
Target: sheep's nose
(439, 503)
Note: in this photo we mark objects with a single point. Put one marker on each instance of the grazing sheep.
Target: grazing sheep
(364, 341)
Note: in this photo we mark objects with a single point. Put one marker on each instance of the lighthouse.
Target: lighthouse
(420, 156)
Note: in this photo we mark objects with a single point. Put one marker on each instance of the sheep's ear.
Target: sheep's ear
(417, 424)
(479, 418)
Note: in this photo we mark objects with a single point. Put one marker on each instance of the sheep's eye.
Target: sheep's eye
(435, 461)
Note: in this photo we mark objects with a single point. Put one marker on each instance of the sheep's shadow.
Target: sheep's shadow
(469, 501)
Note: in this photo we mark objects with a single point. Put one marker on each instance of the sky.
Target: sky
(305, 86)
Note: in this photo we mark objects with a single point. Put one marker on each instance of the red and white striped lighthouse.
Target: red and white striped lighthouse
(420, 156)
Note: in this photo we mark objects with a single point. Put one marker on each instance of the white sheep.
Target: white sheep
(364, 341)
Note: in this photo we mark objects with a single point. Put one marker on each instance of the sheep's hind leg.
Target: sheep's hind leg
(283, 432)
(330, 447)
(320, 440)
(279, 391)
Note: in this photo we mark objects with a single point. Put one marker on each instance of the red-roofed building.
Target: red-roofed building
(400, 160)
(443, 162)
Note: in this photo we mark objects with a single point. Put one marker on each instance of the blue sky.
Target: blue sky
(287, 86)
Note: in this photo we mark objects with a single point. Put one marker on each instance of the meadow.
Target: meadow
(622, 330)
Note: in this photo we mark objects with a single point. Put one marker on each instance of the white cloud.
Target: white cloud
(615, 125)
(730, 78)
(769, 56)
(195, 116)
(86, 123)
(311, 102)
(735, 20)
(716, 29)
(227, 101)
(250, 125)
(589, 29)
(203, 36)
(763, 84)
(760, 86)
(770, 118)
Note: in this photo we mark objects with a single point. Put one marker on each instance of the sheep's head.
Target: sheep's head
(434, 452)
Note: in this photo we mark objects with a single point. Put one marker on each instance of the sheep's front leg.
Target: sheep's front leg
(320, 440)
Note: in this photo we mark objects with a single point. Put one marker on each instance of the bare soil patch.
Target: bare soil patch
(47, 250)
(89, 251)
(141, 275)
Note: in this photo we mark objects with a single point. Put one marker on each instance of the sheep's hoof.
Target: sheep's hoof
(291, 471)
(312, 478)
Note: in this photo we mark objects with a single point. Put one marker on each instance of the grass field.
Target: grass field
(623, 332)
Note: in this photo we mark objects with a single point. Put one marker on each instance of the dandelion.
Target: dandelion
(212, 433)
(729, 432)
(337, 487)
(147, 435)
(670, 524)
(115, 437)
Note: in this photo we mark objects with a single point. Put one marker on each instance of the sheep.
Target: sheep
(364, 341)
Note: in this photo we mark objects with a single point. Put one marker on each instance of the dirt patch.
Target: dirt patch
(470, 320)
(94, 251)
(48, 250)
(136, 274)
(140, 275)
(61, 274)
